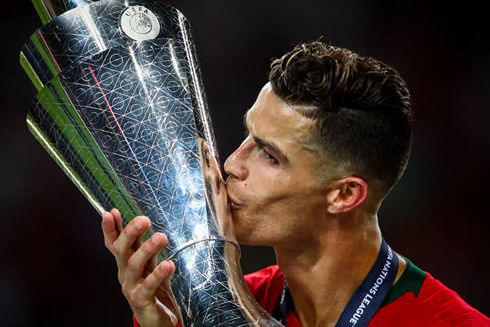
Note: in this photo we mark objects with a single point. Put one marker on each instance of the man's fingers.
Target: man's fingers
(118, 219)
(111, 227)
(109, 230)
(139, 260)
(161, 274)
(137, 243)
(124, 244)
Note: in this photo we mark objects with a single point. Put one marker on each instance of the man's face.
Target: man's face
(275, 197)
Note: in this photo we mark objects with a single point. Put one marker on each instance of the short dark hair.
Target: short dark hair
(362, 108)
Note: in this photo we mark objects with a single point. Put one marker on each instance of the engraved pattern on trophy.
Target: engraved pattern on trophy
(126, 119)
(121, 133)
(94, 27)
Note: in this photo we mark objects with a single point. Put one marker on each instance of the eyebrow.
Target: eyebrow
(276, 151)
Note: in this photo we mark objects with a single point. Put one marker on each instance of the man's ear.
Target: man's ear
(347, 194)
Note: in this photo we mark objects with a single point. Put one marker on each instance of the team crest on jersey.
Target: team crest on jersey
(140, 23)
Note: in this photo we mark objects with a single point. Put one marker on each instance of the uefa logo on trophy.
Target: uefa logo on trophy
(140, 23)
(121, 108)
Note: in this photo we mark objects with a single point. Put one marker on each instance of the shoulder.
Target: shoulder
(266, 285)
(446, 307)
(421, 300)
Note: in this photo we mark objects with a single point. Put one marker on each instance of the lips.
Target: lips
(232, 201)
(234, 204)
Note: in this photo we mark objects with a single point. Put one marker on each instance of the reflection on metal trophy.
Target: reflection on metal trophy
(121, 109)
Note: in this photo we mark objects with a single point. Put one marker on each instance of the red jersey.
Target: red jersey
(415, 300)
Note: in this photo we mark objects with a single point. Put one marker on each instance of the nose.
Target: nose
(235, 165)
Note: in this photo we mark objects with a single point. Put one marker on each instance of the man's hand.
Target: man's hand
(145, 285)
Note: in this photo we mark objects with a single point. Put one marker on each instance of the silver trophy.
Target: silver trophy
(121, 108)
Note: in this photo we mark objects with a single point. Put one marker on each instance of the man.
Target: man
(328, 138)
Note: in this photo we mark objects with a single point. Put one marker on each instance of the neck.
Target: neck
(323, 274)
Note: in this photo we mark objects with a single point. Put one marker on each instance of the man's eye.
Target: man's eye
(270, 157)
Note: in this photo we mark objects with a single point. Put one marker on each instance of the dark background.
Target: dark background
(55, 270)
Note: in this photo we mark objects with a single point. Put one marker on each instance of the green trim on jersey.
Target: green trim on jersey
(410, 281)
